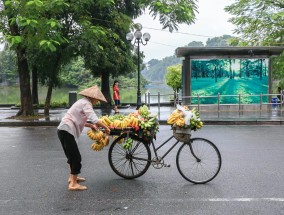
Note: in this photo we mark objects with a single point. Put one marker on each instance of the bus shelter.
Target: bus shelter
(195, 53)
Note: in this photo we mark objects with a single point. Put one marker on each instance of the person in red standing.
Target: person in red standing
(116, 96)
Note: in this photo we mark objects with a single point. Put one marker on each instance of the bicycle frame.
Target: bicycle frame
(167, 152)
(156, 149)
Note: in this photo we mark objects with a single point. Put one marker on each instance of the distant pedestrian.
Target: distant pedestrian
(279, 93)
(72, 125)
(116, 96)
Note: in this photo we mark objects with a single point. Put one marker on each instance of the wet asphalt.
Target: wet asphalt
(34, 176)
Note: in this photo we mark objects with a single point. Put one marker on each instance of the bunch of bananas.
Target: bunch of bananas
(121, 121)
(95, 135)
(97, 147)
(134, 121)
(176, 117)
(147, 124)
(119, 124)
(144, 111)
(128, 143)
(105, 120)
(180, 122)
(101, 139)
(195, 122)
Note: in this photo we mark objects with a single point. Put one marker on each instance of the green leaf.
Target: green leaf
(52, 47)
(18, 39)
(38, 3)
(30, 3)
(7, 3)
(42, 43)
(53, 24)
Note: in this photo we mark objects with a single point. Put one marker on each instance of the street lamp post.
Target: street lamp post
(137, 40)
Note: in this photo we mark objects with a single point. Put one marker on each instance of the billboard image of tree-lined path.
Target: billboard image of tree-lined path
(230, 78)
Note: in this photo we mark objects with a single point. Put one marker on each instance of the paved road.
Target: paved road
(34, 177)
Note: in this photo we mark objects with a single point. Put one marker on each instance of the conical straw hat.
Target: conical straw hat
(93, 92)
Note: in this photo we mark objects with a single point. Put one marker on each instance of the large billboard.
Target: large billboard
(237, 80)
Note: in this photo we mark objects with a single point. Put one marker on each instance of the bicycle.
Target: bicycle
(198, 160)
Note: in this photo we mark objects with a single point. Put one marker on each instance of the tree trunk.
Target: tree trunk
(247, 68)
(47, 100)
(105, 88)
(25, 86)
(240, 68)
(260, 69)
(24, 75)
(215, 72)
(231, 73)
(35, 86)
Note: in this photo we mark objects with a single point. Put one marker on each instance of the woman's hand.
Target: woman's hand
(94, 127)
(107, 130)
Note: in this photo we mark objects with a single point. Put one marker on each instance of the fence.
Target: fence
(265, 102)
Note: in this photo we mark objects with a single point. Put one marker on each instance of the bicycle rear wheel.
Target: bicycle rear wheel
(198, 161)
(129, 163)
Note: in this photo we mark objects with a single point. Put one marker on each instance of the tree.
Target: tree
(63, 29)
(195, 44)
(173, 77)
(221, 41)
(115, 56)
(51, 29)
(260, 22)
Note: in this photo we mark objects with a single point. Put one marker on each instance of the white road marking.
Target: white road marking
(245, 199)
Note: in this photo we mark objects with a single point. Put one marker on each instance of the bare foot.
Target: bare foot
(79, 179)
(77, 187)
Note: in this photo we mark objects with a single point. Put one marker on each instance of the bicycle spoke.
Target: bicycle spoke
(130, 163)
(204, 167)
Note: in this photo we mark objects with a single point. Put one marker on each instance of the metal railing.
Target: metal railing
(269, 101)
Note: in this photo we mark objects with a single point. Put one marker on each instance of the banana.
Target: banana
(97, 147)
(117, 123)
(103, 121)
(106, 141)
(95, 135)
(107, 120)
(180, 122)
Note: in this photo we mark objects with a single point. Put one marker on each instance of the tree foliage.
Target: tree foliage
(8, 68)
(260, 23)
(173, 77)
(47, 34)
(195, 44)
(172, 12)
(221, 41)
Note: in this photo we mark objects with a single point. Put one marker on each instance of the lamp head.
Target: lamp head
(146, 37)
(138, 34)
(129, 36)
(138, 26)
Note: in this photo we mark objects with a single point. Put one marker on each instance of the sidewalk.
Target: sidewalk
(274, 117)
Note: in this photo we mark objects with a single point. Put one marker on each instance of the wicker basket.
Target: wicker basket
(181, 134)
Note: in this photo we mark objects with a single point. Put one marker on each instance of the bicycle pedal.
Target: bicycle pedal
(167, 165)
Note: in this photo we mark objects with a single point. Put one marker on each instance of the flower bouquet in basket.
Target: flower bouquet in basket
(183, 121)
(141, 122)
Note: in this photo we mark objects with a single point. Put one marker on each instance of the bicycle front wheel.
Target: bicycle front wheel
(198, 161)
(129, 163)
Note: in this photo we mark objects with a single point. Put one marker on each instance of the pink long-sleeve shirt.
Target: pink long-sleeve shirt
(76, 117)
